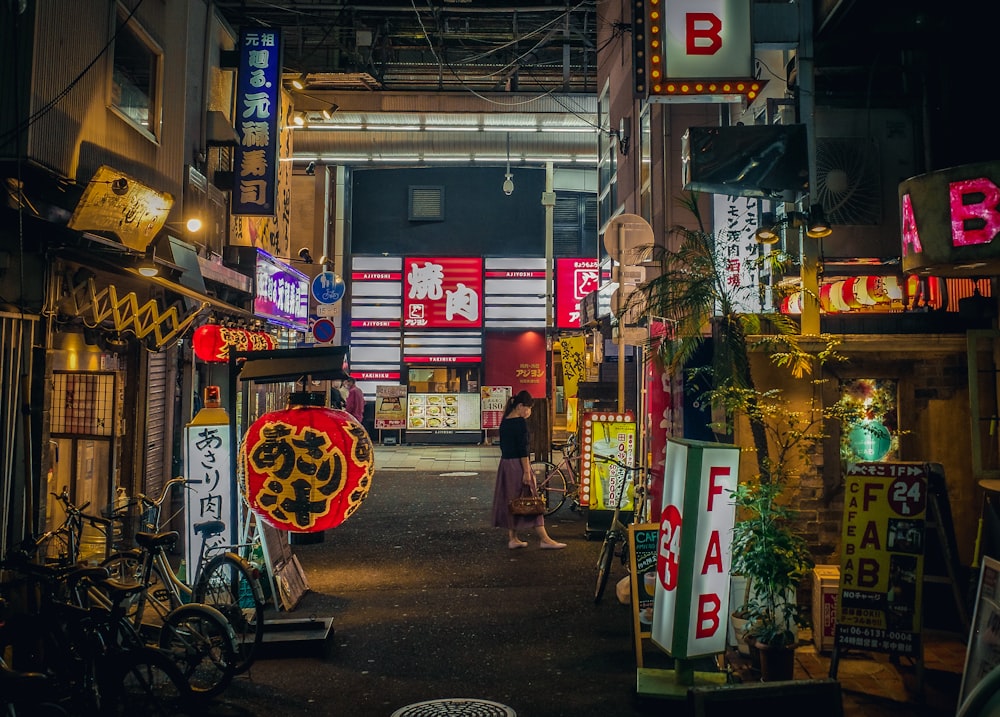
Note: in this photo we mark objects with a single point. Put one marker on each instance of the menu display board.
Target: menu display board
(882, 559)
(642, 543)
(494, 400)
(442, 411)
(390, 407)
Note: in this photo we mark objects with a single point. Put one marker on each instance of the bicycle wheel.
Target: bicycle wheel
(143, 681)
(159, 599)
(202, 645)
(604, 566)
(551, 485)
(231, 586)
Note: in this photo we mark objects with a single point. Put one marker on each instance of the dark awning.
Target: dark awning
(320, 363)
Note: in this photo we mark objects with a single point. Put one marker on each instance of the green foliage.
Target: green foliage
(693, 293)
(774, 560)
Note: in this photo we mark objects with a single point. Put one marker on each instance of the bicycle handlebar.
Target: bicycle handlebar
(620, 464)
(76, 511)
(177, 480)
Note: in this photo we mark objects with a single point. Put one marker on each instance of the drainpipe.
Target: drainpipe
(808, 247)
(549, 202)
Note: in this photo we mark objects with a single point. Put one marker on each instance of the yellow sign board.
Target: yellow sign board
(115, 202)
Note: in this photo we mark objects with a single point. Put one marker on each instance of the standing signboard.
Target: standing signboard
(882, 558)
(493, 400)
(210, 493)
(390, 408)
(642, 539)
(606, 434)
(983, 655)
(694, 554)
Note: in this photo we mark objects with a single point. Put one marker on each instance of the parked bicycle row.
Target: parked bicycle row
(101, 638)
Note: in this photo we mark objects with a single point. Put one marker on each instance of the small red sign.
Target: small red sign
(575, 278)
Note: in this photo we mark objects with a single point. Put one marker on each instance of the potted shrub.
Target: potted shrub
(771, 557)
(773, 560)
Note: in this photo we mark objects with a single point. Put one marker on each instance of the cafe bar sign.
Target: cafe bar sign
(951, 221)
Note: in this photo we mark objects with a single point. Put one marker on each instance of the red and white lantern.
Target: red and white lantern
(306, 468)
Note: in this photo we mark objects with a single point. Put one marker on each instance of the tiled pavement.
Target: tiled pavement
(871, 683)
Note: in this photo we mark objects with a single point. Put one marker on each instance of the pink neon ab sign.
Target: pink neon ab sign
(975, 219)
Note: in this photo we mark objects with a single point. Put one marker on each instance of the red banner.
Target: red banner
(575, 278)
(519, 362)
(441, 293)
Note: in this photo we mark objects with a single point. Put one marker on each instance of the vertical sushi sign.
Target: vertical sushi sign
(257, 110)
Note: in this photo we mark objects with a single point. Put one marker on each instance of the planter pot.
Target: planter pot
(776, 663)
(739, 626)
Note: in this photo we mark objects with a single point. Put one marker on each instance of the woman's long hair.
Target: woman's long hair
(523, 398)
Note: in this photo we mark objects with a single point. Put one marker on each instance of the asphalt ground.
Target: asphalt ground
(429, 604)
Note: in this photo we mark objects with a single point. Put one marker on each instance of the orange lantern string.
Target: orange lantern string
(825, 300)
(306, 468)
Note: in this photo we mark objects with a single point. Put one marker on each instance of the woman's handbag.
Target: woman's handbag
(527, 504)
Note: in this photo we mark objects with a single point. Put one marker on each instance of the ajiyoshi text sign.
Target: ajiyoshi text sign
(694, 553)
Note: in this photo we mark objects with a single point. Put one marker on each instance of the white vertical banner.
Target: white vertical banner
(736, 220)
(209, 493)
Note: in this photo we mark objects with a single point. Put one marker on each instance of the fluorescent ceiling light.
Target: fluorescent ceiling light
(345, 127)
(452, 128)
(393, 128)
(510, 129)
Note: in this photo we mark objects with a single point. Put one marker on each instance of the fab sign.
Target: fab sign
(694, 548)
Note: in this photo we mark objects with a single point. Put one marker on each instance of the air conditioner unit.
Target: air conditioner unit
(765, 161)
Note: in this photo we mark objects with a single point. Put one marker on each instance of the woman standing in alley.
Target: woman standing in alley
(514, 474)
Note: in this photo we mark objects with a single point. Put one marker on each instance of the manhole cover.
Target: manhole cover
(455, 474)
(456, 707)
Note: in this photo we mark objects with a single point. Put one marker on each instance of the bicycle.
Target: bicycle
(198, 637)
(63, 545)
(616, 537)
(223, 580)
(559, 483)
(88, 659)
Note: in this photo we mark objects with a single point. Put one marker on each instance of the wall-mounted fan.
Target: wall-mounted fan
(848, 180)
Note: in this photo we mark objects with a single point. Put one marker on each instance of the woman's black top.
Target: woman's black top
(514, 438)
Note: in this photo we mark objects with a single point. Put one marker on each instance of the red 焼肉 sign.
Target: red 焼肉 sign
(442, 293)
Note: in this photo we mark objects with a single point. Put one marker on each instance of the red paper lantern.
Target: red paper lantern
(306, 468)
(211, 342)
(826, 299)
(209, 345)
